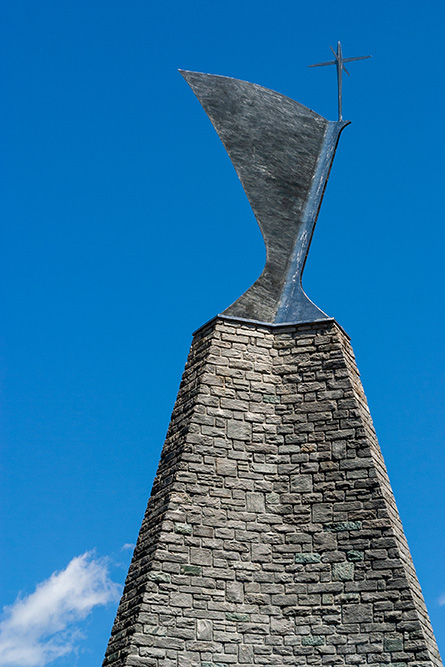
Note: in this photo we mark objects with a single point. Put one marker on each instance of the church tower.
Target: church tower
(271, 536)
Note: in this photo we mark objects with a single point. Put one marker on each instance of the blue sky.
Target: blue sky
(124, 228)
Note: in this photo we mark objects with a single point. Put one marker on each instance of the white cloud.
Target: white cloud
(128, 547)
(43, 626)
(442, 600)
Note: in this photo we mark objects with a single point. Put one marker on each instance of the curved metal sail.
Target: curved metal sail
(282, 153)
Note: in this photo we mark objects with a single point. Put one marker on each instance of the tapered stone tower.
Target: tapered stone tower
(271, 536)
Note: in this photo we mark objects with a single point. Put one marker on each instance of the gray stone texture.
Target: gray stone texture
(271, 536)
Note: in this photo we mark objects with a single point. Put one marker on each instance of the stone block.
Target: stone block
(325, 541)
(393, 643)
(312, 640)
(281, 626)
(341, 526)
(183, 528)
(236, 616)
(245, 654)
(181, 600)
(234, 591)
(191, 569)
(343, 571)
(271, 398)
(226, 467)
(200, 556)
(239, 430)
(159, 577)
(338, 449)
(204, 630)
(255, 502)
(321, 512)
(189, 661)
(307, 558)
(262, 553)
(272, 498)
(357, 613)
(301, 483)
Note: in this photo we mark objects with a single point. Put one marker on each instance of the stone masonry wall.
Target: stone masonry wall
(271, 536)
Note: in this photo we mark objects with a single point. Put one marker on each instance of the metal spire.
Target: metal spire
(339, 62)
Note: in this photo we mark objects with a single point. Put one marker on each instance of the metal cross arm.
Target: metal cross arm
(339, 62)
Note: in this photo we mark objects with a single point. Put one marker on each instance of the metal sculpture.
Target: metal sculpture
(282, 152)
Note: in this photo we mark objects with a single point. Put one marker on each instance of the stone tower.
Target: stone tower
(271, 536)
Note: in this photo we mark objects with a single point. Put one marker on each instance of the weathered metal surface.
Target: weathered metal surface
(282, 153)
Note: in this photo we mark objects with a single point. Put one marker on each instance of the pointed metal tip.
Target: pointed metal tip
(185, 73)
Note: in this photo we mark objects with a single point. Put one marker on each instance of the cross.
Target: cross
(339, 62)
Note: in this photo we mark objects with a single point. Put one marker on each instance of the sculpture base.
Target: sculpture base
(271, 535)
